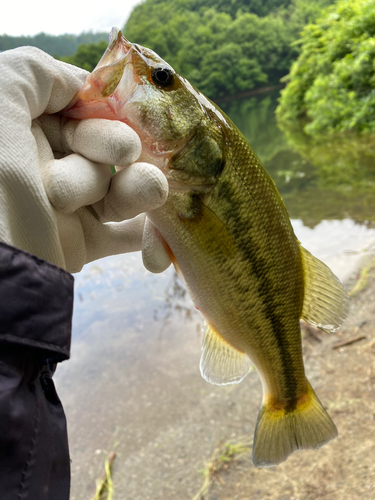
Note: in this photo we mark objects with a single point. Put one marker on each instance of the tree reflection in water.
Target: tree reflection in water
(176, 302)
(330, 178)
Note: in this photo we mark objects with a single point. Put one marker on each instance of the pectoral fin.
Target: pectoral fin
(222, 364)
(325, 302)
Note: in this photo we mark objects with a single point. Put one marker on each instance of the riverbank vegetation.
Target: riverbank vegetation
(322, 50)
(224, 48)
(331, 86)
(58, 46)
(87, 55)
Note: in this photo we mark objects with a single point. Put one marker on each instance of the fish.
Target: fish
(229, 236)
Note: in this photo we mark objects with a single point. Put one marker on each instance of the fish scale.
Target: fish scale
(260, 261)
(228, 233)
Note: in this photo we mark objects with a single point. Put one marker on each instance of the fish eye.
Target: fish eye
(162, 76)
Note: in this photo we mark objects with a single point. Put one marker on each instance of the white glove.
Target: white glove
(56, 189)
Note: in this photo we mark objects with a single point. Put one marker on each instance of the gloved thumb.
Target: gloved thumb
(133, 190)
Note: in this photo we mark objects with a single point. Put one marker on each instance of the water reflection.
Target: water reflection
(341, 244)
(329, 178)
(255, 118)
(134, 366)
(120, 288)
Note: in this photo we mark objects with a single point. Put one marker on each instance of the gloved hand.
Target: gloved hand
(56, 189)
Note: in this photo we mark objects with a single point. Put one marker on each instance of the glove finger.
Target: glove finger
(154, 253)
(73, 182)
(134, 190)
(103, 141)
(72, 241)
(111, 238)
(51, 126)
(33, 82)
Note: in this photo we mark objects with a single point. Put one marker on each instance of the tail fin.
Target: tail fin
(280, 432)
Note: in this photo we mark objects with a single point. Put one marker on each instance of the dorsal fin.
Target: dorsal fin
(222, 364)
(325, 302)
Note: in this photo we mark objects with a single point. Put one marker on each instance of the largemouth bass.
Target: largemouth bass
(229, 236)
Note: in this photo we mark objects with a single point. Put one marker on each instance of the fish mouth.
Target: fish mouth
(115, 89)
(115, 37)
(110, 85)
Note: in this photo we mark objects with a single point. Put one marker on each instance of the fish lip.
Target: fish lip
(118, 48)
(100, 86)
(118, 53)
(110, 101)
(114, 37)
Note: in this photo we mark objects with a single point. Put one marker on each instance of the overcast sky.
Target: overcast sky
(25, 17)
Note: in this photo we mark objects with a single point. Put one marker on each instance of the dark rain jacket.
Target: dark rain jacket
(36, 304)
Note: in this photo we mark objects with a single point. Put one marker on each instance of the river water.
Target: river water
(133, 383)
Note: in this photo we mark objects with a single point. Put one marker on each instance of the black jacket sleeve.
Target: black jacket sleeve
(36, 304)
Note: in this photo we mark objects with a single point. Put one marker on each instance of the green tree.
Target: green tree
(332, 84)
(223, 47)
(87, 55)
(58, 46)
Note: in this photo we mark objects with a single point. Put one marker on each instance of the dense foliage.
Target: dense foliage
(87, 55)
(231, 7)
(224, 47)
(332, 84)
(62, 45)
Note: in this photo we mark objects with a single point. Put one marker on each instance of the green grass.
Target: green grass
(104, 487)
(223, 455)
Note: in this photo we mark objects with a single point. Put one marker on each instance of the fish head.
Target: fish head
(133, 84)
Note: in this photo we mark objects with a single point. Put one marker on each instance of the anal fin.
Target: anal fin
(222, 364)
(325, 302)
